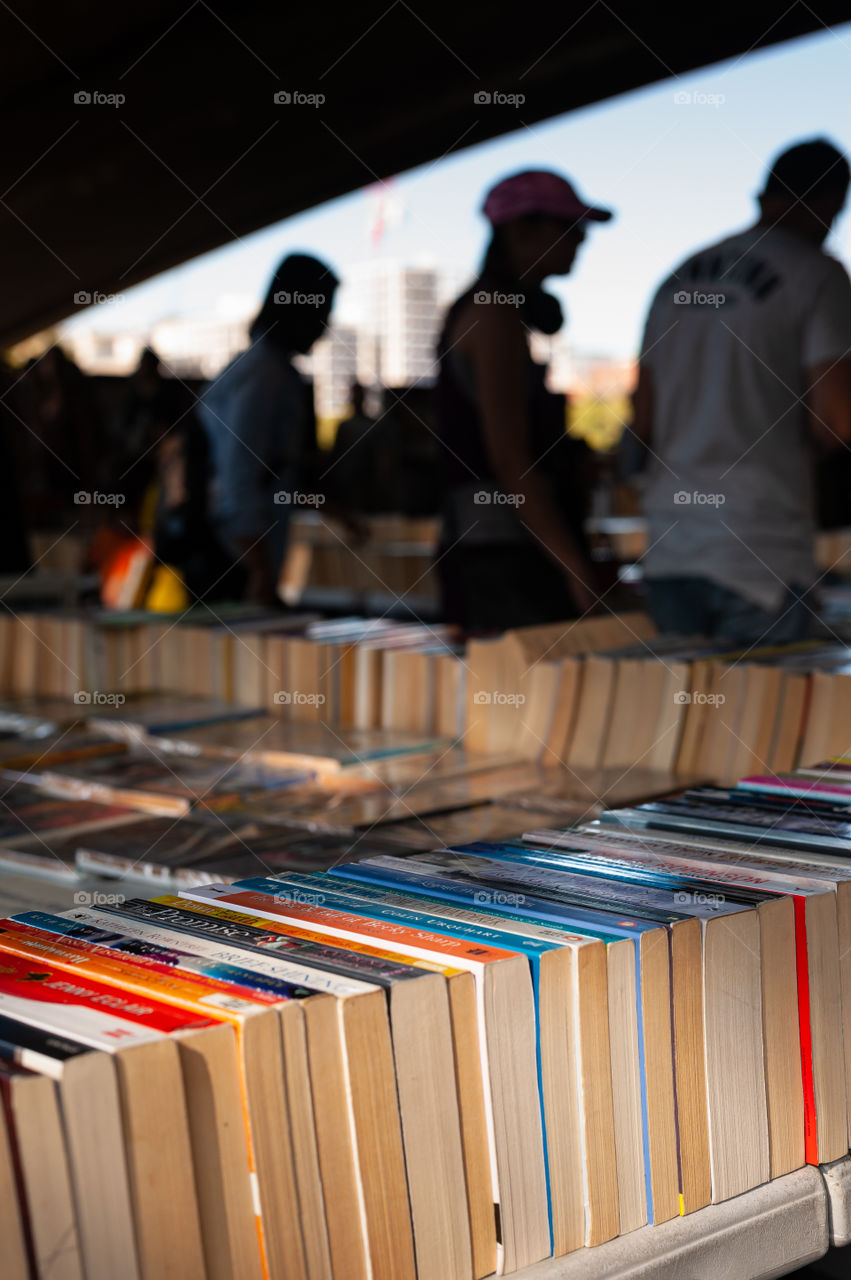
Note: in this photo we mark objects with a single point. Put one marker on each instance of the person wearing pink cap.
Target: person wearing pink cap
(513, 550)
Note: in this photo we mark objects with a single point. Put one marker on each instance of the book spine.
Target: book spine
(83, 1009)
(487, 917)
(219, 1001)
(502, 902)
(620, 864)
(219, 968)
(191, 991)
(203, 921)
(803, 970)
(337, 893)
(420, 934)
(712, 868)
(354, 959)
(600, 892)
(266, 971)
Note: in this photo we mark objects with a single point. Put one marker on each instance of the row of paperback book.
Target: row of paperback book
(440, 1065)
(396, 559)
(604, 692)
(362, 673)
(686, 705)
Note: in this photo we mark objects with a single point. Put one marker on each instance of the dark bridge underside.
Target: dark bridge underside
(97, 196)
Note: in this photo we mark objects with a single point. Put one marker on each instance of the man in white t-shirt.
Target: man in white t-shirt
(745, 373)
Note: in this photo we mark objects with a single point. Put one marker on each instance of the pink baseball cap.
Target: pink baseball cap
(538, 191)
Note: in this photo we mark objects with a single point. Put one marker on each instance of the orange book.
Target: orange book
(132, 1052)
(508, 1047)
(467, 1053)
(307, 935)
(210, 998)
(255, 1016)
(340, 924)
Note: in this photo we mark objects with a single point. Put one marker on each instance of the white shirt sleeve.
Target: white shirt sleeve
(827, 325)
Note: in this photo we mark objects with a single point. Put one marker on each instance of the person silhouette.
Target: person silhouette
(258, 415)
(513, 550)
(744, 374)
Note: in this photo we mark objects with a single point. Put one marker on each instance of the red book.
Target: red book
(91, 1012)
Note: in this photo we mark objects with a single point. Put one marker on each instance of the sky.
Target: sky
(680, 164)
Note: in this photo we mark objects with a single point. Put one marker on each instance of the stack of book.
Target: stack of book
(685, 705)
(439, 1065)
(62, 653)
(282, 661)
(394, 563)
(356, 672)
(600, 693)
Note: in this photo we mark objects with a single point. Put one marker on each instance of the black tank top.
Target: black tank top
(464, 454)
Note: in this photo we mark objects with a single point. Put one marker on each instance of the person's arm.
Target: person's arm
(260, 585)
(656, 328)
(637, 434)
(498, 348)
(829, 404)
(642, 406)
(827, 360)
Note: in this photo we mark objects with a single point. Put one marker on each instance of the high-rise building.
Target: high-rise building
(198, 346)
(190, 344)
(405, 316)
(386, 335)
(111, 354)
(400, 310)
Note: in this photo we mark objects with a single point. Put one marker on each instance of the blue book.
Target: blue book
(626, 1026)
(506, 1038)
(659, 937)
(590, 860)
(472, 922)
(716, 981)
(551, 1037)
(561, 882)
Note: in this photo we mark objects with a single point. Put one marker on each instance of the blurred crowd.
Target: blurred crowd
(738, 442)
(111, 460)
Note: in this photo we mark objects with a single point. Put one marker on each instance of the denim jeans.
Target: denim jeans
(698, 607)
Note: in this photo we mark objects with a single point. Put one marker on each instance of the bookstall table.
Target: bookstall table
(767, 1232)
(837, 1180)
